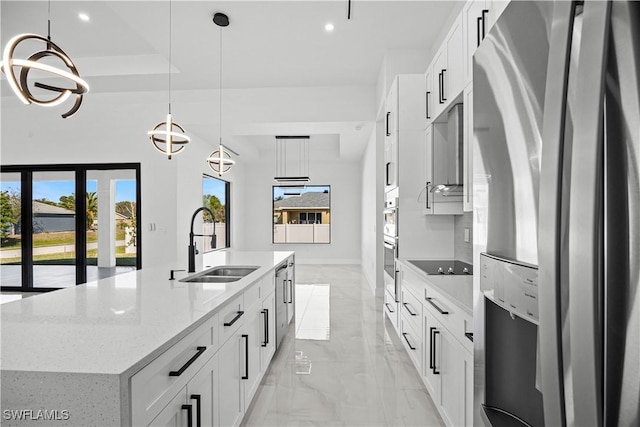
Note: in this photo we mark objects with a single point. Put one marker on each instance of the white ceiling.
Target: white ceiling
(269, 44)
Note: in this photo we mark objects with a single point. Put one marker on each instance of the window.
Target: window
(302, 214)
(215, 196)
(63, 225)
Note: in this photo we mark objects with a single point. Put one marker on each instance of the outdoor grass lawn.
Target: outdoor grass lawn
(69, 258)
(55, 239)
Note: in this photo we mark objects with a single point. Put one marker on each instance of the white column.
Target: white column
(106, 221)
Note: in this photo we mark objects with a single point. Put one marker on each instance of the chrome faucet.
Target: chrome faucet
(192, 246)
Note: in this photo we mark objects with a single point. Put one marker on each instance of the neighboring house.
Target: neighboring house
(307, 208)
(118, 217)
(48, 218)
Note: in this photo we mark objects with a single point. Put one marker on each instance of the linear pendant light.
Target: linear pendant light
(172, 139)
(220, 160)
(21, 87)
(302, 174)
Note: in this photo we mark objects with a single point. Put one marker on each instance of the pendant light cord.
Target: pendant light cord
(49, 23)
(170, 23)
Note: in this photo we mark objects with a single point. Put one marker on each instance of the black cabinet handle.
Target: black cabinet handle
(435, 353)
(478, 37)
(427, 193)
(427, 103)
(389, 307)
(411, 312)
(284, 291)
(404, 334)
(395, 284)
(469, 336)
(235, 319)
(387, 173)
(440, 101)
(430, 301)
(431, 347)
(197, 398)
(387, 123)
(189, 362)
(290, 291)
(484, 20)
(266, 327)
(246, 357)
(189, 415)
(443, 87)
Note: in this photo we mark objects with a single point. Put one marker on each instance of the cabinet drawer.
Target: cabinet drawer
(453, 318)
(230, 318)
(411, 309)
(153, 387)
(412, 341)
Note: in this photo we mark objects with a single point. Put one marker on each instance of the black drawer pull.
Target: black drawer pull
(404, 334)
(389, 307)
(431, 347)
(290, 291)
(443, 89)
(266, 327)
(408, 307)
(246, 357)
(469, 336)
(429, 300)
(427, 104)
(387, 124)
(197, 398)
(435, 353)
(235, 319)
(189, 415)
(189, 362)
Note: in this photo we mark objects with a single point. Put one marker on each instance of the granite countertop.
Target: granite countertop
(458, 287)
(119, 324)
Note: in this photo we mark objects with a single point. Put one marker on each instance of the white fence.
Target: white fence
(301, 233)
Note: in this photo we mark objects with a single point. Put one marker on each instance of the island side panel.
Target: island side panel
(59, 399)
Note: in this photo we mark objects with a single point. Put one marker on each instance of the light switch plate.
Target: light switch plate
(466, 235)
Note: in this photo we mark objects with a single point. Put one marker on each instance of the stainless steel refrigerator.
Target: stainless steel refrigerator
(556, 152)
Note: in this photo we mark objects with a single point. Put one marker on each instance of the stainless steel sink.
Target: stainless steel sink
(230, 271)
(211, 279)
(222, 274)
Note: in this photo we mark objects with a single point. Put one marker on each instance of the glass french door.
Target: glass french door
(63, 225)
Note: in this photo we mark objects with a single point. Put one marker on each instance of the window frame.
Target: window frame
(26, 217)
(318, 215)
(227, 210)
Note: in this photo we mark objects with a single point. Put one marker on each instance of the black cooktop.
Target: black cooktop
(443, 266)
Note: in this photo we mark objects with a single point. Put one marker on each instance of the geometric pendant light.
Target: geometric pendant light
(21, 87)
(220, 160)
(168, 137)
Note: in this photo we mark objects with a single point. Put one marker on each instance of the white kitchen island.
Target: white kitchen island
(82, 355)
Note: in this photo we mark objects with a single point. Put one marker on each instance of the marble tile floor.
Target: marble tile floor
(346, 367)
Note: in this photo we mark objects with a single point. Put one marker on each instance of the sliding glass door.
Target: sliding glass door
(64, 225)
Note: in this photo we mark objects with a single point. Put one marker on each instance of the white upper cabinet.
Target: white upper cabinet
(478, 17)
(429, 96)
(447, 69)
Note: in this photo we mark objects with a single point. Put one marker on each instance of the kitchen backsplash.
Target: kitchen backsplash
(463, 251)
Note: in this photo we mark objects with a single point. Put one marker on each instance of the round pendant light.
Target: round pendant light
(220, 160)
(168, 137)
(20, 85)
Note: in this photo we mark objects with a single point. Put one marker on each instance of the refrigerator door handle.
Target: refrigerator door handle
(586, 218)
(550, 215)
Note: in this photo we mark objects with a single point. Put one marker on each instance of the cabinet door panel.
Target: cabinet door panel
(454, 76)
(430, 375)
(173, 415)
(230, 394)
(427, 207)
(450, 363)
(467, 137)
(251, 344)
(472, 16)
(268, 344)
(202, 395)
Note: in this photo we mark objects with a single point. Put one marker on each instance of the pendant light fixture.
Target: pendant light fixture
(21, 87)
(220, 160)
(168, 137)
(301, 142)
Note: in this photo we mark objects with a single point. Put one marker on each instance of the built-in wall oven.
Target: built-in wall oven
(391, 247)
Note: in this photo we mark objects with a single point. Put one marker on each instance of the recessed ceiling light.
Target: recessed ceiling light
(329, 27)
(84, 17)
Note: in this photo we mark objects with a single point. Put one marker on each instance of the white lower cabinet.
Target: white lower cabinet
(210, 377)
(230, 391)
(194, 404)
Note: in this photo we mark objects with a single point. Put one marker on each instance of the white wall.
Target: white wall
(372, 205)
(257, 218)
